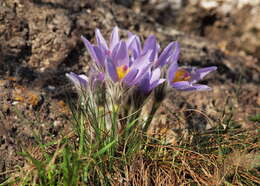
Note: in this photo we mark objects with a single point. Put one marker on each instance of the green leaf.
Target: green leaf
(104, 149)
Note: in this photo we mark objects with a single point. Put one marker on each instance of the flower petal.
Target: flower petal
(200, 87)
(176, 53)
(114, 38)
(156, 83)
(100, 56)
(172, 71)
(100, 40)
(90, 49)
(201, 73)
(144, 84)
(156, 73)
(180, 85)
(83, 77)
(142, 60)
(186, 86)
(80, 81)
(135, 45)
(130, 76)
(143, 64)
(130, 40)
(151, 44)
(111, 70)
(167, 54)
(120, 54)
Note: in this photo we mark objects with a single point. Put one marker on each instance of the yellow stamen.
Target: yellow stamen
(181, 75)
(122, 71)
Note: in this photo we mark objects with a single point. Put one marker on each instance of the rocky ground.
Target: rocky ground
(40, 42)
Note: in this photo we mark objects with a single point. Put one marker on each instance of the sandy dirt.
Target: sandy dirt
(40, 42)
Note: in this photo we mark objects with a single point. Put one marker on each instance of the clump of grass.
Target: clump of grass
(99, 151)
(220, 156)
(255, 118)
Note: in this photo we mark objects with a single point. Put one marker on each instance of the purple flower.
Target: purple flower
(186, 79)
(114, 58)
(121, 69)
(130, 63)
(150, 80)
(83, 82)
(151, 44)
(80, 81)
(102, 50)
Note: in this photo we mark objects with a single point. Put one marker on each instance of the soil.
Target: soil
(40, 42)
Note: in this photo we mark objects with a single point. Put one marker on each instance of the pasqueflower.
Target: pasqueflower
(80, 81)
(102, 50)
(151, 79)
(186, 79)
(130, 63)
(151, 44)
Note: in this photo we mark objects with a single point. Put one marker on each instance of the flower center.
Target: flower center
(122, 71)
(181, 75)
